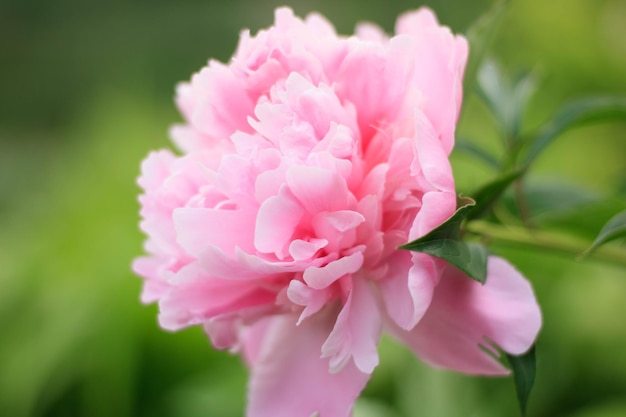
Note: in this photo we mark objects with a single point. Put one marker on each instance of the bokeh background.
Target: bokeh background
(86, 91)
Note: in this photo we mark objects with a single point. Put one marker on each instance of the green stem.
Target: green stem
(545, 241)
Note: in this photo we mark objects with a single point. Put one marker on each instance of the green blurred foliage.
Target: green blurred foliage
(86, 92)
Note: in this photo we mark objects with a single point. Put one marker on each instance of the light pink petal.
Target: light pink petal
(340, 140)
(371, 33)
(319, 106)
(431, 156)
(408, 287)
(357, 331)
(465, 316)
(153, 290)
(155, 169)
(322, 277)
(437, 207)
(440, 74)
(197, 297)
(290, 379)
(223, 333)
(305, 249)
(318, 189)
(252, 337)
(337, 227)
(244, 266)
(311, 299)
(276, 223)
(199, 228)
(188, 139)
(375, 181)
(374, 78)
(344, 220)
(222, 105)
(155, 285)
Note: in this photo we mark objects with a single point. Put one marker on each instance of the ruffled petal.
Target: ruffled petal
(196, 297)
(465, 318)
(199, 228)
(407, 288)
(322, 277)
(290, 379)
(357, 331)
(439, 76)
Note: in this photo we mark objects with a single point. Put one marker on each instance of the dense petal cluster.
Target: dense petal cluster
(306, 161)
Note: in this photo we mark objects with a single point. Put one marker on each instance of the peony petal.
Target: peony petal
(440, 73)
(290, 379)
(431, 157)
(276, 223)
(252, 338)
(322, 277)
(407, 288)
(437, 207)
(311, 299)
(155, 169)
(196, 297)
(301, 250)
(223, 333)
(465, 317)
(244, 266)
(356, 332)
(199, 228)
(155, 284)
(318, 189)
(344, 220)
(371, 32)
(221, 103)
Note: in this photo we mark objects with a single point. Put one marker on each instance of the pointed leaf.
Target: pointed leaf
(487, 195)
(613, 229)
(524, 88)
(495, 90)
(471, 258)
(577, 113)
(507, 98)
(480, 35)
(444, 242)
(470, 148)
(524, 369)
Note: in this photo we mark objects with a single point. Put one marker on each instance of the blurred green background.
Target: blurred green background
(86, 91)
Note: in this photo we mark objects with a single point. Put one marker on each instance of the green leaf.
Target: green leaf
(470, 258)
(524, 87)
(506, 98)
(487, 195)
(470, 148)
(480, 35)
(564, 205)
(451, 228)
(613, 229)
(524, 369)
(577, 113)
(444, 242)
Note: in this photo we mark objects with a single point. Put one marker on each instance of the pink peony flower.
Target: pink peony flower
(307, 160)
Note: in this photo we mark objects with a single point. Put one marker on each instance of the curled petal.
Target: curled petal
(196, 297)
(322, 277)
(290, 379)
(311, 299)
(465, 318)
(440, 73)
(407, 288)
(356, 332)
(276, 224)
